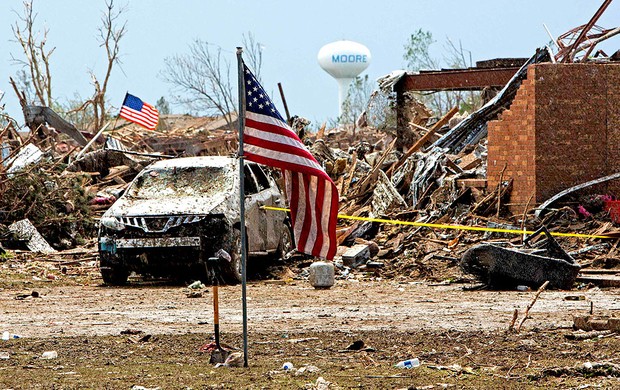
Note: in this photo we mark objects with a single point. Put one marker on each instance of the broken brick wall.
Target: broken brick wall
(562, 129)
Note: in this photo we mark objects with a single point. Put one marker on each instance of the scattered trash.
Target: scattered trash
(356, 255)
(455, 368)
(140, 339)
(8, 336)
(587, 335)
(587, 369)
(356, 345)
(306, 369)
(29, 154)
(596, 323)
(136, 387)
(305, 339)
(49, 355)
(196, 285)
(575, 298)
(409, 363)
(287, 366)
(320, 384)
(131, 331)
(4, 355)
(235, 359)
(194, 294)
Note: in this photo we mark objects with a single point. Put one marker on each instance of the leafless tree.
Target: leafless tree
(111, 32)
(202, 77)
(36, 79)
(253, 51)
(36, 65)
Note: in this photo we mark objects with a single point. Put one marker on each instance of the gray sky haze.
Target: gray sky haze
(291, 32)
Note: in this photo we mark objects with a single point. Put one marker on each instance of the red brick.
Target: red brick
(563, 128)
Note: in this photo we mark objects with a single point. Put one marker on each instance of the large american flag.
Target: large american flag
(313, 197)
(137, 111)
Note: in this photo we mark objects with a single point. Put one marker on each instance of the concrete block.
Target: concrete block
(356, 255)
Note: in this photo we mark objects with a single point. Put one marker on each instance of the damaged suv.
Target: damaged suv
(179, 212)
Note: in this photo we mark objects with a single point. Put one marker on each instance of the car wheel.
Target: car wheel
(112, 273)
(286, 244)
(235, 255)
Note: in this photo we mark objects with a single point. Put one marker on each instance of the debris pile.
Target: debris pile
(418, 200)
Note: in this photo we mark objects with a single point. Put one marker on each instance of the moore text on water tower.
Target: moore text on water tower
(344, 61)
(349, 58)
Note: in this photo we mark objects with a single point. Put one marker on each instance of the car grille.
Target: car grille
(155, 224)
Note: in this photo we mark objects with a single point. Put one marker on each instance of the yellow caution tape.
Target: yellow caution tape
(441, 226)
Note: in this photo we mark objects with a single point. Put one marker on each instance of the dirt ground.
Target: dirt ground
(459, 336)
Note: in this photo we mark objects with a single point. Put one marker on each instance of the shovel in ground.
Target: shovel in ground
(216, 266)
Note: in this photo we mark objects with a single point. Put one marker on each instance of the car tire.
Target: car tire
(235, 256)
(286, 244)
(112, 273)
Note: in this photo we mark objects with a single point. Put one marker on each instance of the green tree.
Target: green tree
(356, 101)
(418, 57)
(363, 99)
(162, 106)
(417, 51)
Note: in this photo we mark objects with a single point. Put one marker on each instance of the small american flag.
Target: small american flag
(313, 197)
(135, 110)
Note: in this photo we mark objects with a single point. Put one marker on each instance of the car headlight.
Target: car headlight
(111, 223)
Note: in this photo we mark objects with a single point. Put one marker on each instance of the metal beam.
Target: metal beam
(570, 55)
(457, 79)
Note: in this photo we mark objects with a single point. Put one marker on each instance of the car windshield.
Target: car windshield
(182, 182)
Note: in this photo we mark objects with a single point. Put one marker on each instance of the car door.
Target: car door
(270, 196)
(254, 216)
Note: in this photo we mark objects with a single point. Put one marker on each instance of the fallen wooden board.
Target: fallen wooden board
(600, 280)
(422, 140)
(600, 271)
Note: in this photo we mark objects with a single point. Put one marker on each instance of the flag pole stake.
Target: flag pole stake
(241, 121)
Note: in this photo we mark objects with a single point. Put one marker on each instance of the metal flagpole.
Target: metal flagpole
(241, 121)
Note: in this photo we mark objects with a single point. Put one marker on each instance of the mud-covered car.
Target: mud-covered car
(178, 213)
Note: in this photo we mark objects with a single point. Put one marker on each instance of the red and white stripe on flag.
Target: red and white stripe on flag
(313, 197)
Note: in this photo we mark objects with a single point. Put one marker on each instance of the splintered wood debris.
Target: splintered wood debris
(427, 181)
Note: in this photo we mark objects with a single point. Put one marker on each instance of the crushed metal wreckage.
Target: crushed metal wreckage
(529, 265)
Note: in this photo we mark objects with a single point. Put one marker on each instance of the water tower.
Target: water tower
(344, 60)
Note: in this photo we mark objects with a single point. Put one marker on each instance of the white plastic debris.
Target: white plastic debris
(48, 355)
(29, 154)
(25, 230)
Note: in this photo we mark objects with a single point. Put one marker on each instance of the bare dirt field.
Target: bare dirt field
(459, 336)
(348, 306)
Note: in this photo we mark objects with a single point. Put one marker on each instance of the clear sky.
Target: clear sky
(292, 32)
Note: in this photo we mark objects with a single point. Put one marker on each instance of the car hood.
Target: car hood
(219, 204)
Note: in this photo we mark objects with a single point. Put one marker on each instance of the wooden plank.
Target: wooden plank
(599, 271)
(600, 280)
(419, 143)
